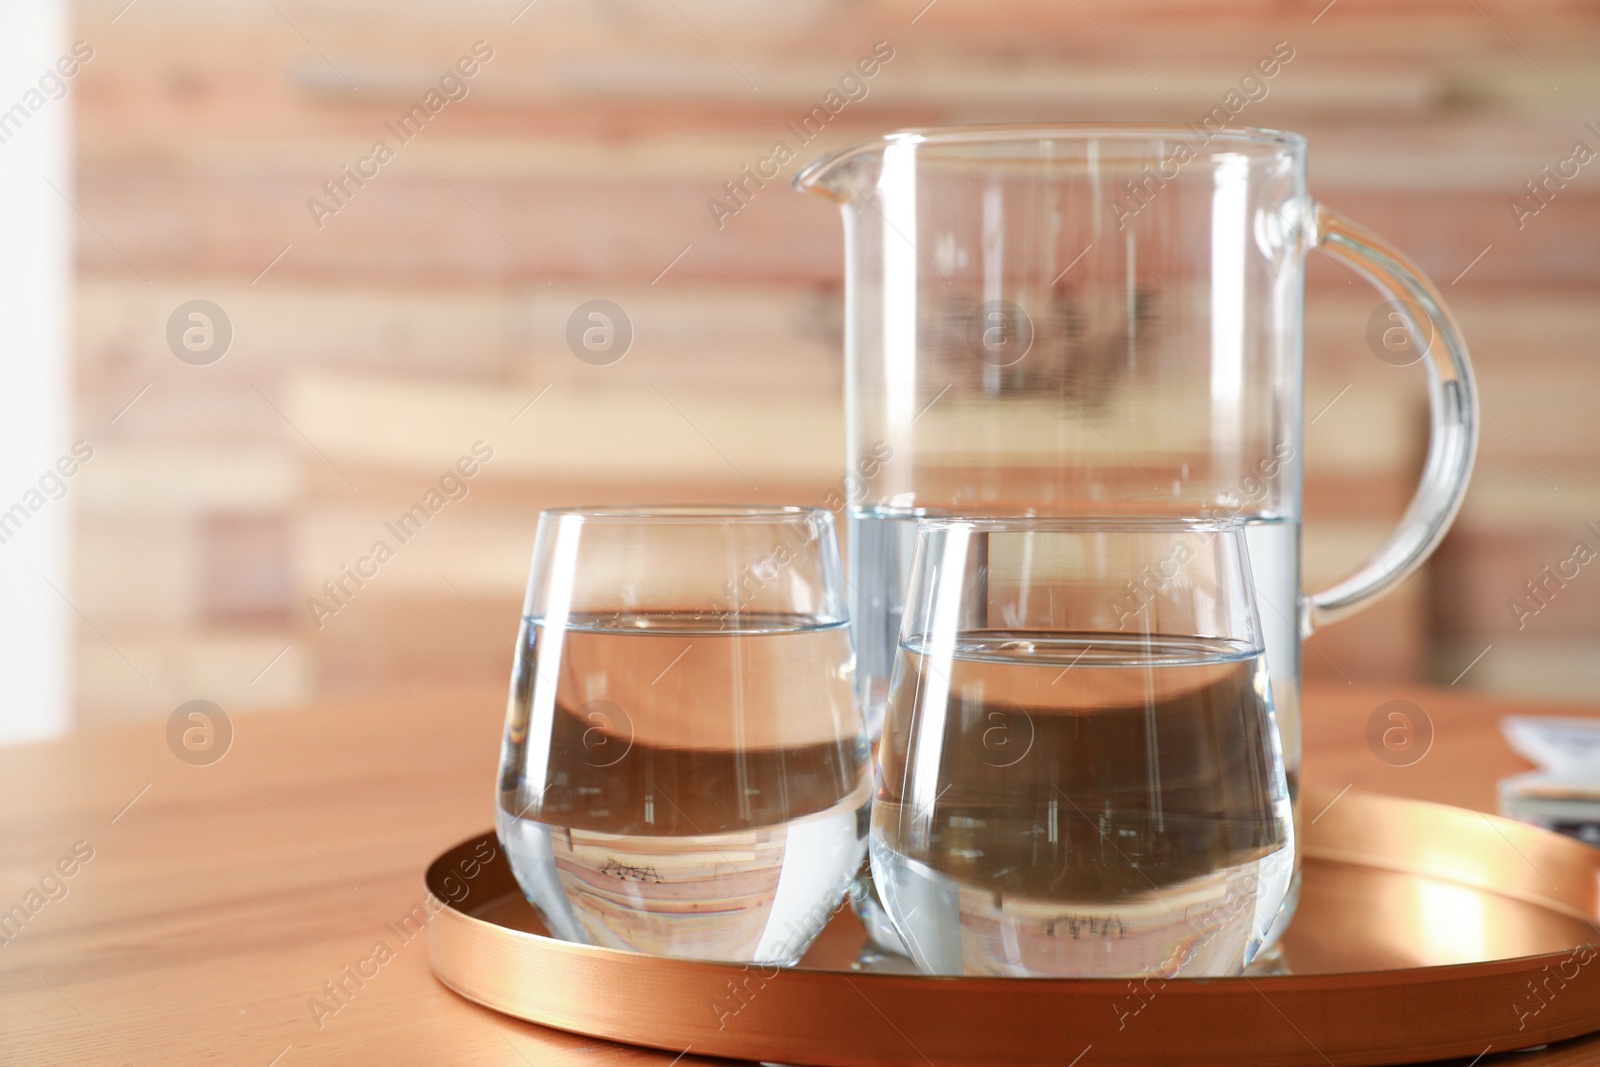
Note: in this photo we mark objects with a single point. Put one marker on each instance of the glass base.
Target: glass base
(1269, 961)
(881, 935)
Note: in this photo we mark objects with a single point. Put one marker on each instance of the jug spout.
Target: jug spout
(844, 175)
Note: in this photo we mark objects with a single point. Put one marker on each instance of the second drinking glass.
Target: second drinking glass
(1080, 771)
(684, 770)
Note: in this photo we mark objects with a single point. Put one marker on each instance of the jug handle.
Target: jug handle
(1453, 437)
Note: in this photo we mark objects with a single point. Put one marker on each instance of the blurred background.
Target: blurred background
(362, 334)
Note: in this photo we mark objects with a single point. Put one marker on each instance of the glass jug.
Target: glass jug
(1106, 320)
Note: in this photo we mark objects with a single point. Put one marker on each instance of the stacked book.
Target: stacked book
(1563, 794)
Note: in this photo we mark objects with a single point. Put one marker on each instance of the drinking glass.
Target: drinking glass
(1080, 770)
(684, 770)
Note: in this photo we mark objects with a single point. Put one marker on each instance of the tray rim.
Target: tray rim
(467, 954)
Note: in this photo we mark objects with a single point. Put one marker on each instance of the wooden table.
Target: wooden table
(220, 898)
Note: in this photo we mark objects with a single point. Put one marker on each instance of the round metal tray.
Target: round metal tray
(1424, 932)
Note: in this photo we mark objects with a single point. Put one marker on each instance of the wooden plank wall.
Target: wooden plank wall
(375, 344)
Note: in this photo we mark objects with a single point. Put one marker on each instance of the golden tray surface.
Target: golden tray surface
(1424, 932)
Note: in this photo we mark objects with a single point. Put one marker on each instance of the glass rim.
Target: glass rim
(1066, 524)
(687, 513)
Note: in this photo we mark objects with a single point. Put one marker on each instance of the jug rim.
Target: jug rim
(810, 178)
